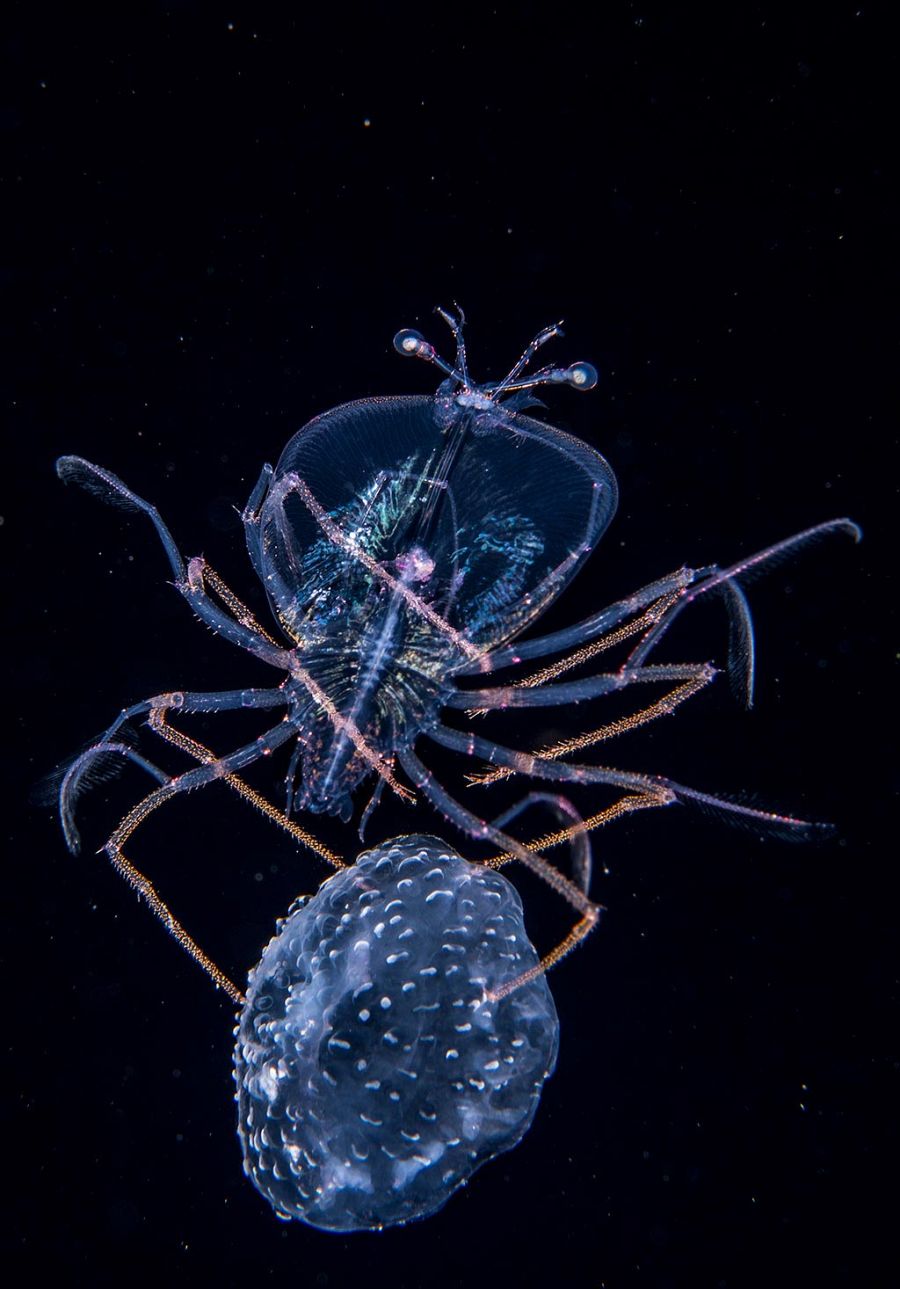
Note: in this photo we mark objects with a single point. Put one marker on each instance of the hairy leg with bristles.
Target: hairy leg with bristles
(575, 832)
(597, 625)
(626, 805)
(220, 768)
(80, 771)
(590, 823)
(698, 677)
(480, 829)
(662, 601)
(237, 609)
(608, 640)
(147, 892)
(476, 702)
(188, 580)
(206, 756)
(726, 579)
(564, 772)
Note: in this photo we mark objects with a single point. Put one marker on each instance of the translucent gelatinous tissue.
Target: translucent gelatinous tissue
(375, 1072)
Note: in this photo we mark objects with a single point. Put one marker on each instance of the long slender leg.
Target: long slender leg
(189, 582)
(511, 849)
(80, 771)
(599, 624)
(147, 892)
(609, 639)
(236, 607)
(473, 826)
(533, 766)
(197, 701)
(653, 785)
(581, 861)
(110, 488)
(208, 772)
(238, 633)
(145, 888)
(624, 806)
(686, 584)
(250, 520)
(698, 677)
(723, 577)
(478, 701)
(94, 764)
(204, 754)
(664, 611)
(220, 768)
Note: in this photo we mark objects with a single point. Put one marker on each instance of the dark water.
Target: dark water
(218, 225)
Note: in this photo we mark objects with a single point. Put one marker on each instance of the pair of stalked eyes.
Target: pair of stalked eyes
(412, 344)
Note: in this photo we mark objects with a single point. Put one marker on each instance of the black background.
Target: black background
(219, 221)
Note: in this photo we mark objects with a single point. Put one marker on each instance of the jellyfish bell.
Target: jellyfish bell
(378, 1060)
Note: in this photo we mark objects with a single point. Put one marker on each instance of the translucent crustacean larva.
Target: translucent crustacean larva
(404, 545)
